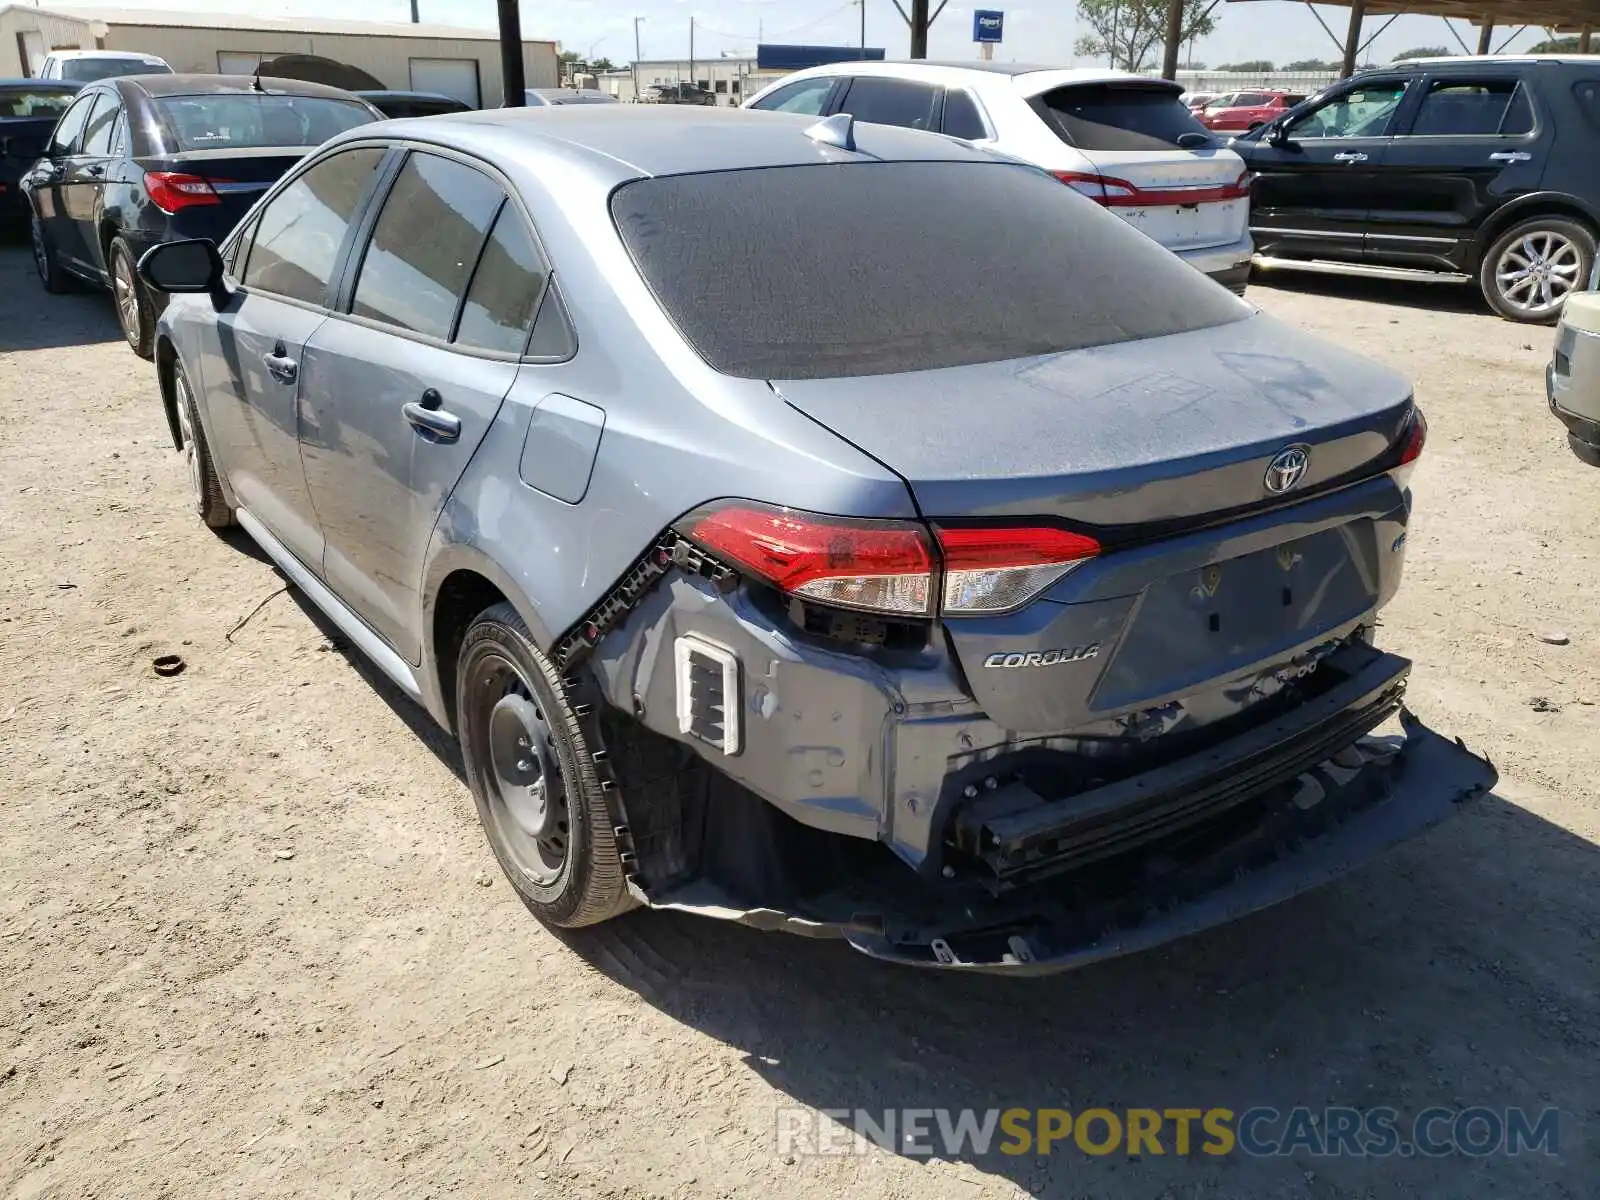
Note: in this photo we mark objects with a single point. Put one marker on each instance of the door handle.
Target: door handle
(431, 421)
(95, 169)
(1349, 158)
(280, 366)
(1510, 156)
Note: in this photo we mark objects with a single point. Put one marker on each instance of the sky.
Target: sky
(1035, 30)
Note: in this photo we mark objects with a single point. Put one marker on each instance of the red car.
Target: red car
(1248, 110)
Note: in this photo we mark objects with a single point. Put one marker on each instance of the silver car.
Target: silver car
(837, 529)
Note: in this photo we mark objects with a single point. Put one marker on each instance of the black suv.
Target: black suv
(1485, 167)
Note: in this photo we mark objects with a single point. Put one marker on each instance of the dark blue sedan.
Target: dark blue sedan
(29, 109)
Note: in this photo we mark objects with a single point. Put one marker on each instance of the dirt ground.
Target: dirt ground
(252, 941)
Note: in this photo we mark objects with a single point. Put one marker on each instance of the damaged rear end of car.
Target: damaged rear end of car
(1113, 682)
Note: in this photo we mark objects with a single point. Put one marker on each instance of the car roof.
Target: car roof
(222, 85)
(616, 142)
(130, 55)
(42, 85)
(1029, 79)
(380, 93)
(1467, 62)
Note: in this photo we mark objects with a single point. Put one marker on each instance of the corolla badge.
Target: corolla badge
(1287, 468)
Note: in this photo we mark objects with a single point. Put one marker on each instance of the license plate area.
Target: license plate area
(1203, 624)
(1190, 225)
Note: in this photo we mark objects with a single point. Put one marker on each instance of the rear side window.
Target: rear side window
(505, 288)
(97, 133)
(1001, 262)
(303, 227)
(892, 102)
(425, 245)
(961, 117)
(1251, 100)
(1473, 108)
(1587, 94)
(1117, 117)
(807, 97)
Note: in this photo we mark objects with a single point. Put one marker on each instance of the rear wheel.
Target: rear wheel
(205, 489)
(133, 305)
(1532, 267)
(45, 262)
(531, 770)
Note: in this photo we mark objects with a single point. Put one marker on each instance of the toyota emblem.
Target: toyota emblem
(1287, 468)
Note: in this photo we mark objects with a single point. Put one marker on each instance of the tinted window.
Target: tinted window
(69, 127)
(1461, 108)
(1114, 117)
(553, 336)
(505, 288)
(1251, 100)
(808, 96)
(302, 229)
(961, 117)
(87, 70)
(1363, 112)
(30, 102)
(1587, 94)
(221, 121)
(892, 102)
(425, 245)
(97, 134)
(1001, 262)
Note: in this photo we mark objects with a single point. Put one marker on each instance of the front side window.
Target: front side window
(303, 228)
(220, 122)
(505, 289)
(892, 102)
(425, 245)
(1476, 108)
(807, 97)
(1001, 262)
(65, 137)
(97, 133)
(1362, 112)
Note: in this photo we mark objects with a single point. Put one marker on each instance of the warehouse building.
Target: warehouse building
(464, 63)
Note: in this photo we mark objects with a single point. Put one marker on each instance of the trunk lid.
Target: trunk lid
(1207, 583)
(238, 175)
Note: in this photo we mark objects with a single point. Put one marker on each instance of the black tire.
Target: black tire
(134, 312)
(1510, 273)
(45, 261)
(531, 771)
(205, 488)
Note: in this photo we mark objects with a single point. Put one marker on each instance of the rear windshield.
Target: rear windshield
(87, 70)
(816, 272)
(30, 102)
(1118, 117)
(233, 119)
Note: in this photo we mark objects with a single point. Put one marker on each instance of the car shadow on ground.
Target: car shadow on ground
(80, 317)
(1400, 986)
(1451, 297)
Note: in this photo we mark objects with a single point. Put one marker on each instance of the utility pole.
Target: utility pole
(862, 3)
(691, 51)
(636, 23)
(1352, 41)
(416, 17)
(512, 79)
(919, 28)
(1486, 36)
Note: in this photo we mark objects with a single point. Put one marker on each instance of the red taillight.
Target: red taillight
(995, 569)
(1415, 437)
(1119, 193)
(889, 566)
(881, 566)
(171, 190)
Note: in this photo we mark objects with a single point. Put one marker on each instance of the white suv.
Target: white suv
(86, 66)
(1125, 141)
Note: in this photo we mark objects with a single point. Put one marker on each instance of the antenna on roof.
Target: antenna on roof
(838, 130)
(255, 80)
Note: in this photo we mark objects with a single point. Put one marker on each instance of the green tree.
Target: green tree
(1256, 66)
(1423, 52)
(570, 56)
(1311, 64)
(602, 64)
(1566, 45)
(1131, 32)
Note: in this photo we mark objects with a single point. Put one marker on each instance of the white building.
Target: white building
(730, 79)
(464, 63)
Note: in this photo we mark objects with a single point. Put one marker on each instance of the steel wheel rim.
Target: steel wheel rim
(41, 258)
(1537, 272)
(127, 297)
(191, 451)
(519, 770)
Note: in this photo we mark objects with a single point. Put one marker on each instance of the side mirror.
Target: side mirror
(1278, 135)
(187, 267)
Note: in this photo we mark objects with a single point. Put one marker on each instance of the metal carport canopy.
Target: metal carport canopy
(1577, 16)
